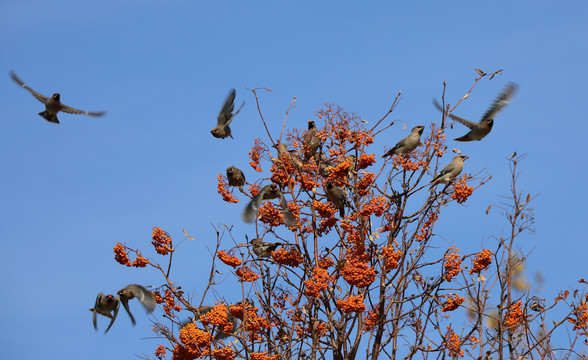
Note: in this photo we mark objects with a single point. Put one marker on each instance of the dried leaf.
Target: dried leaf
(188, 236)
(488, 209)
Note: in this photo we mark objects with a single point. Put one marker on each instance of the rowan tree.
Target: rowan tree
(365, 285)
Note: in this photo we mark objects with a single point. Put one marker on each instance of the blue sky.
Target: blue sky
(71, 191)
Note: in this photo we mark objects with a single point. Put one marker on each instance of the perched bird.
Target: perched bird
(105, 305)
(450, 171)
(145, 296)
(225, 116)
(236, 177)
(407, 144)
(336, 197)
(291, 155)
(53, 104)
(323, 163)
(480, 130)
(311, 141)
(263, 249)
(268, 192)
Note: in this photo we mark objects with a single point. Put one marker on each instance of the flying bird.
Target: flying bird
(336, 197)
(105, 305)
(225, 116)
(145, 296)
(481, 129)
(263, 249)
(311, 141)
(236, 177)
(53, 104)
(268, 192)
(407, 144)
(450, 171)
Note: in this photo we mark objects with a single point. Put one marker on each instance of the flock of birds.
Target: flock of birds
(108, 305)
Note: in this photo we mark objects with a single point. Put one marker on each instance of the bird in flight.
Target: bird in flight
(53, 104)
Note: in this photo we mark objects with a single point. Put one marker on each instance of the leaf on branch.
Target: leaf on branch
(582, 281)
(188, 236)
(488, 209)
(562, 296)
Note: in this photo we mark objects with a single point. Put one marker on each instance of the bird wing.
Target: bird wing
(235, 114)
(288, 217)
(70, 110)
(224, 116)
(41, 98)
(125, 303)
(145, 296)
(447, 169)
(398, 145)
(252, 208)
(115, 314)
(501, 101)
(96, 305)
(94, 319)
(467, 123)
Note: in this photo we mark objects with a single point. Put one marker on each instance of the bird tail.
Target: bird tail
(49, 117)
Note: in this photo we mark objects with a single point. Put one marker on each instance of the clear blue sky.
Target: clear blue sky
(162, 70)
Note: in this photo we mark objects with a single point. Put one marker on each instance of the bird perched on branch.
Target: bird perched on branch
(145, 296)
(225, 116)
(407, 144)
(53, 104)
(290, 155)
(105, 305)
(481, 129)
(268, 192)
(311, 141)
(336, 197)
(263, 249)
(450, 171)
(236, 177)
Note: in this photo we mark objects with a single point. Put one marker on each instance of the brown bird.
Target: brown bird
(480, 130)
(53, 104)
(145, 296)
(290, 155)
(323, 163)
(268, 192)
(336, 197)
(225, 116)
(450, 171)
(105, 305)
(236, 177)
(407, 144)
(263, 249)
(311, 141)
